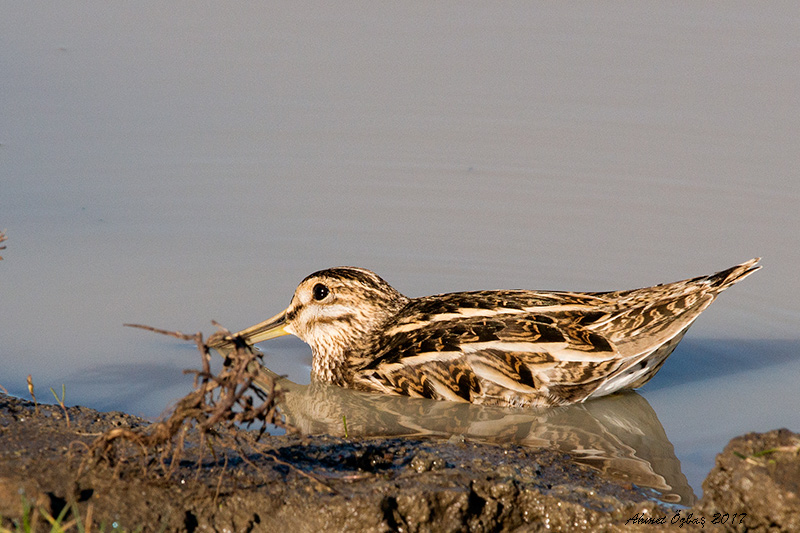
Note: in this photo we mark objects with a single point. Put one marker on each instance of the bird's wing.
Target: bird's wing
(516, 357)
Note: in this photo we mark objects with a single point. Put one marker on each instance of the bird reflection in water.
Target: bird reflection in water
(619, 435)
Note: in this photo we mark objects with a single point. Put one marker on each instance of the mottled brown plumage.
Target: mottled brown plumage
(510, 347)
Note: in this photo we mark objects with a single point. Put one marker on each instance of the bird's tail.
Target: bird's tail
(653, 315)
(725, 278)
(666, 324)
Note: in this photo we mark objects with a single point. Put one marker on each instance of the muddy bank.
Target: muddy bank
(375, 484)
(757, 476)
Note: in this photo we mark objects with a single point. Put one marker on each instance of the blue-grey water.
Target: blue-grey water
(170, 164)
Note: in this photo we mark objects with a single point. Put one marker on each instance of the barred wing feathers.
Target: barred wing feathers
(506, 359)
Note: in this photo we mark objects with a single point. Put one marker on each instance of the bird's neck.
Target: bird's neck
(339, 351)
(330, 368)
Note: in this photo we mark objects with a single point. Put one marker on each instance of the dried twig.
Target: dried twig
(2, 239)
(269, 453)
(214, 408)
(219, 481)
(307, 475)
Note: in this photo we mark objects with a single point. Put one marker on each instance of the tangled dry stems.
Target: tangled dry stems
(239, 395)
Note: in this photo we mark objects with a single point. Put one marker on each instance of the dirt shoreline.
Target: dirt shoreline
(377, 484)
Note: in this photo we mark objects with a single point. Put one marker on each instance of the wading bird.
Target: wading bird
(503, 347)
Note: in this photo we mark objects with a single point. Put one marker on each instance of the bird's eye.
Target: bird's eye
(320, 291)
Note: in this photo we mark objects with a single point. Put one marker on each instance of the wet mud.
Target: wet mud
(313, 483)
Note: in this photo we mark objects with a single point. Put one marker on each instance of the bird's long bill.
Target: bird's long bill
(269, 329)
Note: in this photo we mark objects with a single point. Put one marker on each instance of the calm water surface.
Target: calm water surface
(170, 165)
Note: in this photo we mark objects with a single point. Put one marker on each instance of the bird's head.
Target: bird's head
(333, 311)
